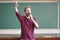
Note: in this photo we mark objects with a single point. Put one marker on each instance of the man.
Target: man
(28, 23)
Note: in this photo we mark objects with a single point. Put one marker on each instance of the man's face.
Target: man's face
(28, 11)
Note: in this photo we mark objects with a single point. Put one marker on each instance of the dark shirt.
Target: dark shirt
(27, 27)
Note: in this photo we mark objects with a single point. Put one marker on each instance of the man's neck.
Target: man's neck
(28, 17)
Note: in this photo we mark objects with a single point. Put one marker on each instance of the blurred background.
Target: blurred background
(47, 13)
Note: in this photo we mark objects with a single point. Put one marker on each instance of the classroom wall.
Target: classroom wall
(30, 0)
(45, 13)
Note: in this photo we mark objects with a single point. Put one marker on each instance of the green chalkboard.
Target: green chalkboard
(45, 13)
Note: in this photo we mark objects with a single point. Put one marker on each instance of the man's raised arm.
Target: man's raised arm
(16, 5)
(18, 14)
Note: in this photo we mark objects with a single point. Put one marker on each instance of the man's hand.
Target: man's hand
(16, 5)
(31, 16)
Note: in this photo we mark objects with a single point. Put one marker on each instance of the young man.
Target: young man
(27, 23)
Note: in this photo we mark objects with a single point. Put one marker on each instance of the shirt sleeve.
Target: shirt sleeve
(33, 23)
(19, 15)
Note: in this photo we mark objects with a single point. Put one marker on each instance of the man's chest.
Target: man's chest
(27, 21)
